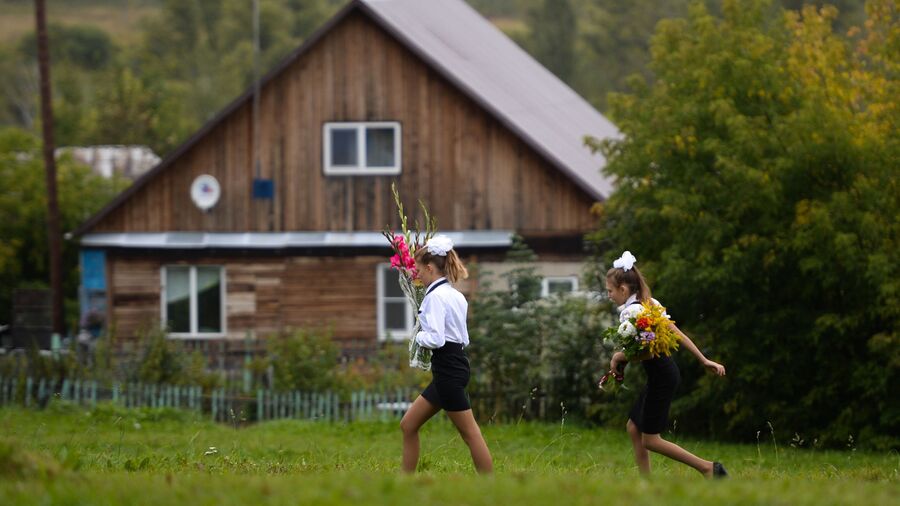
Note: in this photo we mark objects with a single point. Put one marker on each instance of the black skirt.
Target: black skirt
(450, 375)
(651, 410)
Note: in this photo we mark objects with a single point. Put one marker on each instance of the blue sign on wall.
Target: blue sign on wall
(263, 189)
(93, 269)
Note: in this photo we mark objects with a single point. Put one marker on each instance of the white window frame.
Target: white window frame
(545, 284)
(192, 276)
(361, 169)
(385, 334)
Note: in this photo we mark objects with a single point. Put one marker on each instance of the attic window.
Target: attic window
(370, 149)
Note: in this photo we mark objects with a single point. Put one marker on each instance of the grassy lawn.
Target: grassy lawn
(67, 455)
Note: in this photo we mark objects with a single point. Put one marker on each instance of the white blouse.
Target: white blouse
(442, 317)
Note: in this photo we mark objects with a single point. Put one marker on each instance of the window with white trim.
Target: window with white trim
(370, 149)
(553, 285)
(395, 313)
(193, 300)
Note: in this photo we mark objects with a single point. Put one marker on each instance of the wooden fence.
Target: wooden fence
(221, 405)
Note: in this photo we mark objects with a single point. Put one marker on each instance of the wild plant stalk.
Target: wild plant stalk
(562, 406)
(525, 405)
(772, 431)
(758, 449)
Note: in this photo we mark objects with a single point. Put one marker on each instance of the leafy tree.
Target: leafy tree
(553, 34)
(87, 47)
(757, 185)
(139, 109)
(19, 90)
(206, 47)
(614, 42)
(23, 208)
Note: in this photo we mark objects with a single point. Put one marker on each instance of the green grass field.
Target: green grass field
(66, 455)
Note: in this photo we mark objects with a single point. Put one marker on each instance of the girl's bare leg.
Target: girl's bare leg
(419, 413)
(655, 443)
(471, 434)
(641, 455)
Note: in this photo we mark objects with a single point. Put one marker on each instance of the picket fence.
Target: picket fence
(220, 404)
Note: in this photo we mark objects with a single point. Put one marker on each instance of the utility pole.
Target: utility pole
(54, 236)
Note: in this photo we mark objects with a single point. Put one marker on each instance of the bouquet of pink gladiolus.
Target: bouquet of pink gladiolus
(405, 243)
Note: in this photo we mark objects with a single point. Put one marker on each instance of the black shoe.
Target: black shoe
(719, 471)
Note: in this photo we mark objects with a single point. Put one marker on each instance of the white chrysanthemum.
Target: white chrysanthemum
(439, 245)
(631, 311)
(627, 329)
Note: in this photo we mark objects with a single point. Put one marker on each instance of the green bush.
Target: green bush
(303, 360)
(159, 362)
(387, 370)
(529, 351)
(163, 361)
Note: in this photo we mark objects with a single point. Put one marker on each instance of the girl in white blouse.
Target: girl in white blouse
(442, 317)
(649, 415)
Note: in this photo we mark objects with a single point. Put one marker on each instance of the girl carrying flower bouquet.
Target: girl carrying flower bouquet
(442, 317)
(646, 334)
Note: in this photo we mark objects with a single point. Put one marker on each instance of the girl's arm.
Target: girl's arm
(431, 321)
(713, 367)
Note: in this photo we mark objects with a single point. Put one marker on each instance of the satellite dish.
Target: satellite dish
(205, 192)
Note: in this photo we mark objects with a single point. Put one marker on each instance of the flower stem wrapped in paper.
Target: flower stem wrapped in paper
(405, 243)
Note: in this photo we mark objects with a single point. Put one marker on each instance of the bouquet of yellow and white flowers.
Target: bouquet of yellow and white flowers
(644, 332)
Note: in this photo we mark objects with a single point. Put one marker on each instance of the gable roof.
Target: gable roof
(477, 58)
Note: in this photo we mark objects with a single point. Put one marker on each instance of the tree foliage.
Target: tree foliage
(23, 212)
(553, 36)
(757, 184)
(537, 349)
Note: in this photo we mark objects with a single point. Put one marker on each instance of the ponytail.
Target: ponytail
(455, 270)
(449, 265)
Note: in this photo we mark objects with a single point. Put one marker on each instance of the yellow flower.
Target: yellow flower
(665, 341)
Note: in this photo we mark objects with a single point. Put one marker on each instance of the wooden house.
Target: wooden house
(424, 93)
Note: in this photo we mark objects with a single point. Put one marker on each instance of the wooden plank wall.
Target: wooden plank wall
(264, 296)
(471, 171)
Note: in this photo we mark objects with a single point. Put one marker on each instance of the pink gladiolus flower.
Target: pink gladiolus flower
(400, 243)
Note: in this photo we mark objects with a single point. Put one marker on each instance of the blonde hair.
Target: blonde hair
(450, 265)
(633, 279)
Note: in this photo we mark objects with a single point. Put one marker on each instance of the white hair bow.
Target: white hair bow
(625, 262)
(439, 245)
